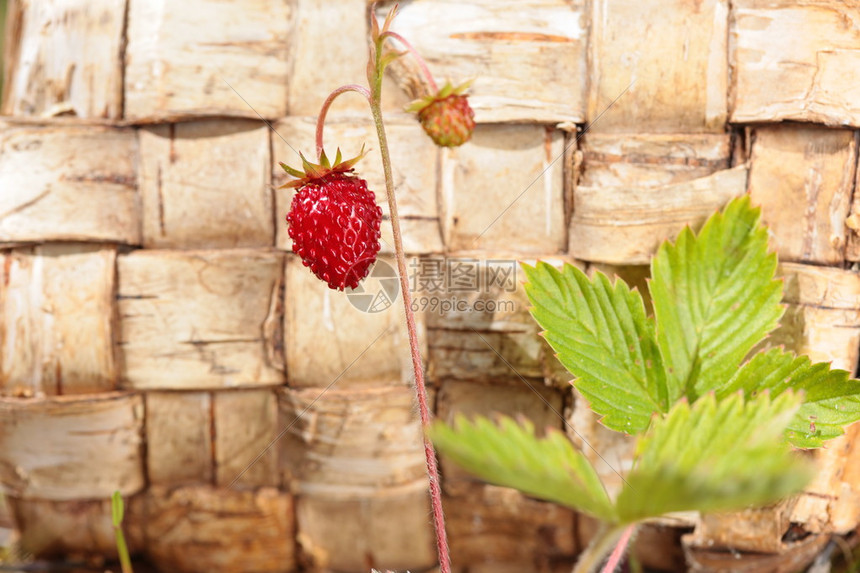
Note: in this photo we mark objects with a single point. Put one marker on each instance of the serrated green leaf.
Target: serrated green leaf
(831, 398)
(603, 337)
(510, 454)
(714, 456)
(714, 298)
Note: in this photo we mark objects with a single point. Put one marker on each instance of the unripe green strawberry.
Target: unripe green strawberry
(447, 116)
(334, 221)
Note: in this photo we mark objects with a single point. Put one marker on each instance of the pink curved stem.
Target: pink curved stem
(418, 368)
(327, 103)
(414, 347)
(617, 553)
(421, 62)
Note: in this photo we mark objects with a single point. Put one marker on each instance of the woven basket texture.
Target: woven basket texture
(159, 338)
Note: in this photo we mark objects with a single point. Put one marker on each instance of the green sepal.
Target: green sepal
(324, 162)
(389, 18)
(447, 90)
(291, 171)
(312, 171)
(375, 31)
(390, 55)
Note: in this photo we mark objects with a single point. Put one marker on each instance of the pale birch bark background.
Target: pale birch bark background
(158, 337)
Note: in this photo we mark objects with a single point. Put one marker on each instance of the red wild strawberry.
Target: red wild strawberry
(447, 116)
(334, 221)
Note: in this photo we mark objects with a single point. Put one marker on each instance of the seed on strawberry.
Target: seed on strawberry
(334, 221)
(447, 116)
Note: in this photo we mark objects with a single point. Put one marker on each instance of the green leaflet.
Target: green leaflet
(831, 398)
(714, 298)
(714, 431)
(714, 456)
(509, 454)
(603, 337)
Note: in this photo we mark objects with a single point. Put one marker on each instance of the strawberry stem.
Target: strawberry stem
(327, 104)
(421, 61)
(376, 69)
(617, 553)
(615, 538)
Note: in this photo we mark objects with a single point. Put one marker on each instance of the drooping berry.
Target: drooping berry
(334, 221)
(447, 116)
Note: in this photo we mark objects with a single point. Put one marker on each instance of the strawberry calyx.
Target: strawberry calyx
(315, 172)
(449, 89)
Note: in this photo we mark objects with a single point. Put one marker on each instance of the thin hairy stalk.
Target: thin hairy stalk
(606, 538)
(327, 104)
(421, 62)
(420, 387)
(615, 557)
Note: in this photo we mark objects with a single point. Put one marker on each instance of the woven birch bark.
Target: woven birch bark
(89, 446)
(823, 321)
(528, 60)
(68, 183)
(79, 527)
(626, 225)
(790, 60)
(225, 438)
(479, 326)
(205, 184)
(714, 545)
(57, 323)
(527, 397)
(349, 441)
(631, 192)
(237, 64)
(509, 178)
(170, 337)
(803, 177)
(386, 529)
(645, 78)
(179, 438)
(657, 545)
(200, 528)
(78, 73)
(500, 530)
(366, 342)
(320, 65)
(144, 247)
(852, 251)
